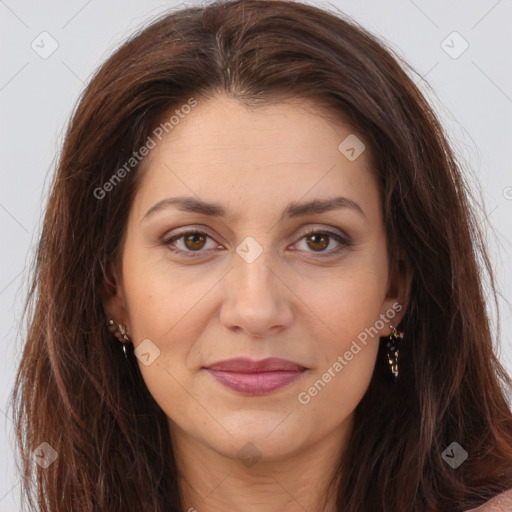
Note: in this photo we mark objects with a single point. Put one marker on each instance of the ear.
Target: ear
(398, 293)
(114, 303)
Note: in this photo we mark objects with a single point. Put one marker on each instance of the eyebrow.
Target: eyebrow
(293, 210)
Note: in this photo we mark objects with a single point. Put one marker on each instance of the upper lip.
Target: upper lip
(245, 365)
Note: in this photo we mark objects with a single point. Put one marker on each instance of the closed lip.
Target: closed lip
(246, 365)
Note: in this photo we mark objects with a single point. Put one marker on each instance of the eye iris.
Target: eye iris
(318, 238)
(193, 239)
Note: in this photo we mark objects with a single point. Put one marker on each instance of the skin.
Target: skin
(290, 302)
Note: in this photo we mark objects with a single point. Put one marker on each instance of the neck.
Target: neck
(213, 482)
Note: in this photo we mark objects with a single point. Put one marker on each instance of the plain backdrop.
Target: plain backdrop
(469, 73)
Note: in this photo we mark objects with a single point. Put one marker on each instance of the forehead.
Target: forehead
(248, 157)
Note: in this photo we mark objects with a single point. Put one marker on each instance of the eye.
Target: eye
(192, 244)
(319, 240)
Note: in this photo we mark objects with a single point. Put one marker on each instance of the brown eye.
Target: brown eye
(195, 241)
(318, 241)
(324, 243)
(190, 243)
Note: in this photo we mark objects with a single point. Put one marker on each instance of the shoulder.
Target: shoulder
(500, 503)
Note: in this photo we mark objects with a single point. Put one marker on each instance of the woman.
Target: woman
(257, 286)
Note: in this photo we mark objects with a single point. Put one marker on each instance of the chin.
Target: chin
(266, 438)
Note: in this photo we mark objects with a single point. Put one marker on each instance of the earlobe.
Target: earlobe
(404, 276)
(113, 298)
(397, 296)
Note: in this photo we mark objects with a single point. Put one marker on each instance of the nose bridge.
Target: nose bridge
(253, 277)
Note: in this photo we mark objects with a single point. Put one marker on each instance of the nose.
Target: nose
(257, 301)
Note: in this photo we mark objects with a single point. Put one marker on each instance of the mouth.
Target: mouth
(255, 377)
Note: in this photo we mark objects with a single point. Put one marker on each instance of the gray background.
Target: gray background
(473, 96)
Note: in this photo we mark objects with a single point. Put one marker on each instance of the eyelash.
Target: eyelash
(344, 242)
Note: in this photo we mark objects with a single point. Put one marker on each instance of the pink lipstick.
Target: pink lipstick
(255, 377)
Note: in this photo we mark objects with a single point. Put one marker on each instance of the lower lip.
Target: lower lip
(256, 383)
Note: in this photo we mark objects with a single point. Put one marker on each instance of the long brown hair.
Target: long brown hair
(75, 391)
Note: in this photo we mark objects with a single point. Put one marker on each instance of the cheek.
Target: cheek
(333, 393)
(161, 297)
(351, 300)
(347, 350)
(168, 310)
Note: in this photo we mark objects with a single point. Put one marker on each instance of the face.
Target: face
(263, 274)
